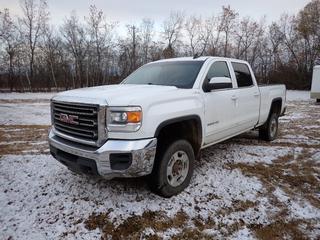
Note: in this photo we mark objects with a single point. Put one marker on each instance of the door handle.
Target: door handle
(256, 94)
(234, 98)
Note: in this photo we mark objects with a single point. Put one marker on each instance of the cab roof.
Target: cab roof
(202, 58)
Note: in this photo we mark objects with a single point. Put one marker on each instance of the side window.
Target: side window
(218, 69)
(243, 75)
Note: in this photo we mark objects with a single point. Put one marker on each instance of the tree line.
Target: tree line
(36, 56)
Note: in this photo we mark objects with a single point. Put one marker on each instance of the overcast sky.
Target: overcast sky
(126, 11)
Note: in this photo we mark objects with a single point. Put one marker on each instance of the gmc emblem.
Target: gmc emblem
(69, 118)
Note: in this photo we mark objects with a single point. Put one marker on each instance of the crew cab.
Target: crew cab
(157, 120)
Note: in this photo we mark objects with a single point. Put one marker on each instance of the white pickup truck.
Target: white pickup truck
(159, 118)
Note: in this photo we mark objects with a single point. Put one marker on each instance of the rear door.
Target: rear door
(247, 97)
(220, 105)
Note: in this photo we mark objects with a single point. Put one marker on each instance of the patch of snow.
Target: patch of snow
(167, 235)
(300, 209)
(13, 142)
(255, 154)
(243, 234)
(148, 231)
(293, 116)
(316, 156)
(311, 127)
(297, 141)
(281, 195)
(304, 210)
(289, 136)
(210, 232)
(293, 95)
(15, 95)
(25, 114)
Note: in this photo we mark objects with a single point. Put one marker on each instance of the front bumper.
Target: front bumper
(97, 161)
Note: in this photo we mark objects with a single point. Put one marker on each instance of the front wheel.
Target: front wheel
(173, 169)
(269, 131)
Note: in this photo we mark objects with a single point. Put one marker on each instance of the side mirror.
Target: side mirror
(218, 83)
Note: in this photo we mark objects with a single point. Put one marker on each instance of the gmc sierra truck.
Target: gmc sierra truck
(156, 121)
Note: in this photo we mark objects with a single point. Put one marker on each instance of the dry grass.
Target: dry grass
(279, 229)
(23, 139)
(133, 227)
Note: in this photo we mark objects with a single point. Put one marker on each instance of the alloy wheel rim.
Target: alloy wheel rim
(273, 127)
(177, 168)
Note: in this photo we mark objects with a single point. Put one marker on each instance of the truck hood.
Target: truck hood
(115, 95)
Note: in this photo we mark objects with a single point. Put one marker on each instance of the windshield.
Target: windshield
(181, 74)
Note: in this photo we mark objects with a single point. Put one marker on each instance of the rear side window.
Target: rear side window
(243, 75)
(218, 69)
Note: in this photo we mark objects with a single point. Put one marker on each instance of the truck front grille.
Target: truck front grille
(78, 122)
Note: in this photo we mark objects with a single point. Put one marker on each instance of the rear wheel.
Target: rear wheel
(318, 100)
(269, 131)
(173, 169)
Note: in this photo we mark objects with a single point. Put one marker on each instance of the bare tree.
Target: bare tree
(198, 32)
(172, 28)
(133, 43)
(214, 28)
(147, 32)
(34, 20)
(275, 37)
(289, 37)
(11, 40)
(51, 46)
(308, 22)
(101, 40)
(246, 34)
(228, 17)
(77, 45)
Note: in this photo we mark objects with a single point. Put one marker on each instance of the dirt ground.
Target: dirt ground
(243, 188)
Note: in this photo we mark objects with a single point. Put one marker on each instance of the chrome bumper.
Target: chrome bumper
(142, 152)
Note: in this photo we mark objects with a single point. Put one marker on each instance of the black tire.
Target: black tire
(269, 131)
(318, 100)
(159, 179)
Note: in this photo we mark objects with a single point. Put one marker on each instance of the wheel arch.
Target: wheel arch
(174, 127)
(276, 106)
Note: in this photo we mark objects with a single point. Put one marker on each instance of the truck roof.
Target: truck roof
(202, 58)
(316, 67)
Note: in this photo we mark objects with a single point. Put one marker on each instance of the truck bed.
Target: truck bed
(270, 93)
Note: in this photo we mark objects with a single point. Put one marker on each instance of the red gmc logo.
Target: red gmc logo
(69, 118)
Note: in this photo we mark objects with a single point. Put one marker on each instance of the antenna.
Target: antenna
(196, 56)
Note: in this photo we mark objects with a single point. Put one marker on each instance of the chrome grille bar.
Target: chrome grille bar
(81, 123)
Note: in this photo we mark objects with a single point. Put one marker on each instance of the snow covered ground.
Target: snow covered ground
(26, 96)
(25, 114)
(243, 188)
(293, 95)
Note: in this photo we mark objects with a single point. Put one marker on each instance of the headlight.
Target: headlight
(124, 119)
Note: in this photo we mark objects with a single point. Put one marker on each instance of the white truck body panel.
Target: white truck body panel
(315, 88)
